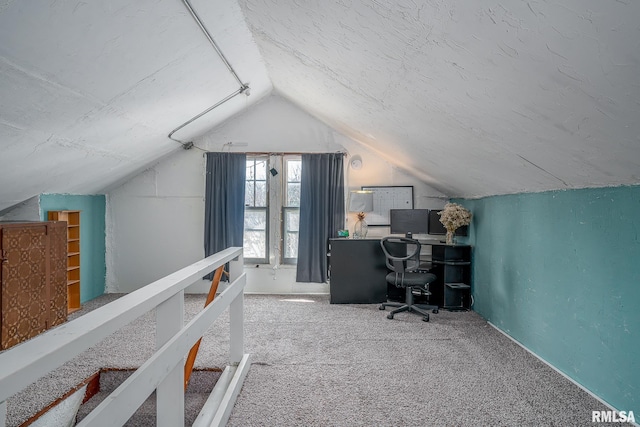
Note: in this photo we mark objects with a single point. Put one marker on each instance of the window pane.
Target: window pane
(256, 185)
(255, 219)
(261, 194)
(293, 194)
(294, 174)
(251, 172)
(291, 245)
(255, 234)
(291, 227)
(256, 227)
(249, 199)
(294, 170)
(292, 220)
(261, 170)
(254, 244)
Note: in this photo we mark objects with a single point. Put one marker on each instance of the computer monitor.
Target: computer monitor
(436, 228)
(409, 221)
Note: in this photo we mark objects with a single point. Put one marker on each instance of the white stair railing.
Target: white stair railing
(164, 370)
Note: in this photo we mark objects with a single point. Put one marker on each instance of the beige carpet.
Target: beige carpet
(318, 364)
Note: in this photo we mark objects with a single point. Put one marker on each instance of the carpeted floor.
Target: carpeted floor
(321, 364)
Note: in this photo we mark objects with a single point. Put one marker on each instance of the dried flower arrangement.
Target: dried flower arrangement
(454, 216)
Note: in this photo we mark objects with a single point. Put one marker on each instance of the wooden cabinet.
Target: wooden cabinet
(72, 218)
(33, 293)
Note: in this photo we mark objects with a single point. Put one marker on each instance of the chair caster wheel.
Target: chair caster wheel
(435, 311)
(425, 319)
(382, 307)
(389, 316)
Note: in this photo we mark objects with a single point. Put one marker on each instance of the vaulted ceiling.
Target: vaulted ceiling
(476, 98)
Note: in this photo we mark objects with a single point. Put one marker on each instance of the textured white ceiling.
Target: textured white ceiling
(89, 91)
(477, 98)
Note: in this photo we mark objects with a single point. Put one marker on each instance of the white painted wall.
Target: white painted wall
(377, 171)
(29, 210)
(155, 221)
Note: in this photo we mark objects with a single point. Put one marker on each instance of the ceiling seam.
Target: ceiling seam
(543, 170)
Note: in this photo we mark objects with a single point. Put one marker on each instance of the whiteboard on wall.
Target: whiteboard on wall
(387, 198)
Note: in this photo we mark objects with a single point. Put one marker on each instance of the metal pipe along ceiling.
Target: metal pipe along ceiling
(244, 88)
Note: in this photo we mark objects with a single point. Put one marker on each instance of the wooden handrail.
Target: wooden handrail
(191, 358)
(32, 359)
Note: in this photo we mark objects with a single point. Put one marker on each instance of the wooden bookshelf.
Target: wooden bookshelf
(72, 218)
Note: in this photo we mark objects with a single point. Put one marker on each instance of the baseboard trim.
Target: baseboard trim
(599, 399)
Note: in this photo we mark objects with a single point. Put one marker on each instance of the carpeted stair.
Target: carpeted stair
(199, 389)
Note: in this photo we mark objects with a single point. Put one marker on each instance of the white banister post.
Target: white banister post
(170, 392)
(236, 315)
(236, 268)
(3, 413)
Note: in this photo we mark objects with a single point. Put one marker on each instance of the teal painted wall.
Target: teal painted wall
(92, 237)
(560, 273)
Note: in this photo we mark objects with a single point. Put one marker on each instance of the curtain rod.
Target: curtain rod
(282, 153)
(272, 153)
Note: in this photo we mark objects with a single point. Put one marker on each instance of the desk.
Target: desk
(358, 273)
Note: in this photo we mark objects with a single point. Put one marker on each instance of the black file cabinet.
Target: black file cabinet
(357, 271)
(452, 267)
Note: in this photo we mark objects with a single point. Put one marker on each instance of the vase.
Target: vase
(360, 229)
(449, 239)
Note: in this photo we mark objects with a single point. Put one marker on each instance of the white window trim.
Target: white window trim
(275, 220)
(260, 261)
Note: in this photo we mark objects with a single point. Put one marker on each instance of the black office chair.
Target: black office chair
(403, 259)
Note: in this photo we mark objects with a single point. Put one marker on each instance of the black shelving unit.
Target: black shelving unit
(452, 267)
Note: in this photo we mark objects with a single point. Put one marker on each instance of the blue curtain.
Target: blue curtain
(321, 213)
(224, 202)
